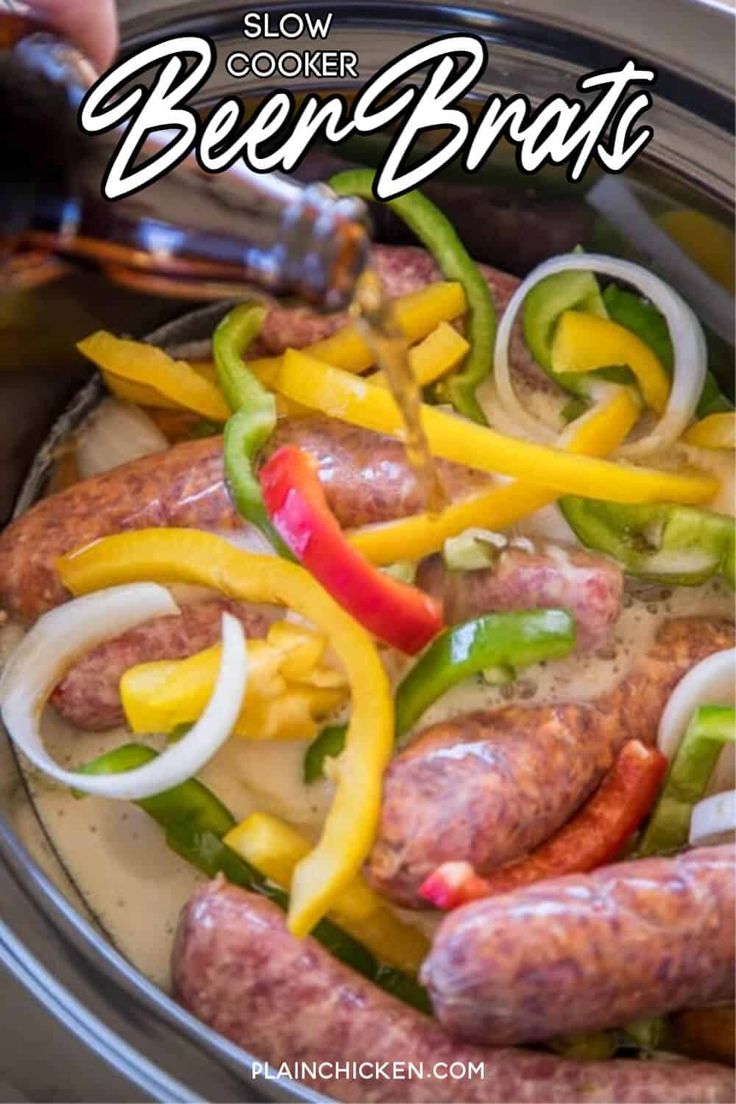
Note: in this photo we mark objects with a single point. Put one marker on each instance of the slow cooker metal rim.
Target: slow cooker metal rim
(584, 34)
(149, 1001)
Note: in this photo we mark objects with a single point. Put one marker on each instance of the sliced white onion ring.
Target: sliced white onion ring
(688, 344)
(63, 634)
(711, 682)
(713, 817)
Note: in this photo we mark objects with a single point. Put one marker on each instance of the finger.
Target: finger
(89, 24)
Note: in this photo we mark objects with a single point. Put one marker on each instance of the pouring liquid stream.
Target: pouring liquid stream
(374, 315)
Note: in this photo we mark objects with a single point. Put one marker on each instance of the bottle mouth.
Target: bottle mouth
(327, 242)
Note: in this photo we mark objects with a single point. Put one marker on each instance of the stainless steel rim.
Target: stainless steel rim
(129, 1022)
(690, 41)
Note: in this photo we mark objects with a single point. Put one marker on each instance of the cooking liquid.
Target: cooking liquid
(375, 317)
(117, 857)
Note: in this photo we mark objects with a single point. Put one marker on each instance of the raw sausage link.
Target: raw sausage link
(365, 475)
(590, 586)
(366, 478)
(183, 486)
(489, 786)
(88, 696)
(237, 968)
(588, 951)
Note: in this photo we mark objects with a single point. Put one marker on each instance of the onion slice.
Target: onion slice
(62, 635)
(710, 682)
(713, 816)
(688, 343)
(115, 433)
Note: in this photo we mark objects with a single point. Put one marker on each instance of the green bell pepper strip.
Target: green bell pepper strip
(585, 1046)
(508, 640)
(439, 236)
(253, 420)
(641, 1038)
(711, 727)
(577, 290)
(195, 821)
(645, 1036)
(327, 745)
(513, 639)
(644, 320)
(547, 300)
(665, 543)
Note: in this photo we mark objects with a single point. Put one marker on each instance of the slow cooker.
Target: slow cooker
(146, 1047)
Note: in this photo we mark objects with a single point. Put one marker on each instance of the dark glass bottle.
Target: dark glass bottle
(190, 233)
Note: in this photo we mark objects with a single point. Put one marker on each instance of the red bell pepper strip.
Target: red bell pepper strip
(396, 613)
(594, 837)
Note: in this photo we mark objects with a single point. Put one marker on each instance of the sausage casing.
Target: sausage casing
(236, 967)
(366, 479)
(89, 694)
(588, 951)
(590, 586)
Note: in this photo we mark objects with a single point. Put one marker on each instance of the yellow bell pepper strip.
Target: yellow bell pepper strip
(274, 849)
(421, 314)
(430, 359)
(353, 400)
(151, 368)
(438, 354)
(288, 691)
(717, 431)
(301, 651)
(596, 433)
(547, 300)
(138, 393)
(189, 556)
(417, 314)
(438, 235)
(585, 342)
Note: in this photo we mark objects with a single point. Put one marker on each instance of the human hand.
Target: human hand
(89, 24)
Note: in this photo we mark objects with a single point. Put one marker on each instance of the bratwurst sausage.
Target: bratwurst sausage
(590, 586)
(588, 951)
(366, 479)
(183, 486)
(237, 968)
(89, 694)
(489, 786)
(365, 475)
